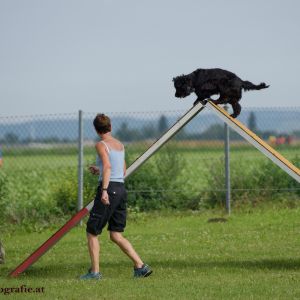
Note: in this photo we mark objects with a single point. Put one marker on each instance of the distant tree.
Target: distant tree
(126, 134)
(181, 134)
(234, 136)
(123, 133)
(296, 133)
(214, 132)
(162, 124)
(252, 122)
(11, 138)
(148, 132)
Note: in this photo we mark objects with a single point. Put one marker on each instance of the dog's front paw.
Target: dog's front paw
(203, 102)
(233, 116)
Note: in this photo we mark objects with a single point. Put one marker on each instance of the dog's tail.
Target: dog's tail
(247, 86)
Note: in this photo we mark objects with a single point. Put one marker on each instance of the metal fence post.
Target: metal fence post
(227, 165)
(80, 162)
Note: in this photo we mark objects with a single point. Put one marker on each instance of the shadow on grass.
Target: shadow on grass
(56, 270)
(259, 264)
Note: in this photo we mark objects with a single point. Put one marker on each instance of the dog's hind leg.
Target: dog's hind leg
(236, 108)
(222, 100)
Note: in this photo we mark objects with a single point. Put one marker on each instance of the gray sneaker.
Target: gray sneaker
(91, 275)
(144, 271)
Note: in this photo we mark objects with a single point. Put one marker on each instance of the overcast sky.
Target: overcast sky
(59, 56)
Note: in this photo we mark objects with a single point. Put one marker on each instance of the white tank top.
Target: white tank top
(116, 158)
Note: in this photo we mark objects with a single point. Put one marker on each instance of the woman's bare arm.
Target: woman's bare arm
(124, 168)
(102, 152)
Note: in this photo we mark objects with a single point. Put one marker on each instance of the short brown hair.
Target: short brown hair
(102, 123)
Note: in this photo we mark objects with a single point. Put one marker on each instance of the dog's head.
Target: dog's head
(183, 85)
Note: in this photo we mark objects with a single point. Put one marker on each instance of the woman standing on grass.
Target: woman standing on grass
(110, 201)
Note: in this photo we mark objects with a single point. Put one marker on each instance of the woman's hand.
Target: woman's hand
(105, 198)
(94, 170)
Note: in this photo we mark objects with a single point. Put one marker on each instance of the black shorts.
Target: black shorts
(114, 214)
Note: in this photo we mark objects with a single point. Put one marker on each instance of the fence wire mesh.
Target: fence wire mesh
(40, 159)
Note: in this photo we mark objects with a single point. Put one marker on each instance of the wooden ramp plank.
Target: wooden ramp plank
(256, 141)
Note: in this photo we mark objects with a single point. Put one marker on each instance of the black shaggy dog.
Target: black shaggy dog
(208, 82)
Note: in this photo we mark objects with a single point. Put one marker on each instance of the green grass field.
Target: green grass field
(38, 183)
(195, 152)
(255, 255)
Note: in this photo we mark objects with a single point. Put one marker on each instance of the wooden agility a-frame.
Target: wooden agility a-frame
(272, 154)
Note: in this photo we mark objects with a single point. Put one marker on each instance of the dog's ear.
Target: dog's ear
(173, 79)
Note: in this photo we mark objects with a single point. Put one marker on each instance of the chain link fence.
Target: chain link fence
(40, 160)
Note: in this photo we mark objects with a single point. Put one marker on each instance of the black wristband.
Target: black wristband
(103, 189)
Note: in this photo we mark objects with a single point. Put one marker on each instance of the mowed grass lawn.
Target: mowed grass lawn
(255, 255)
